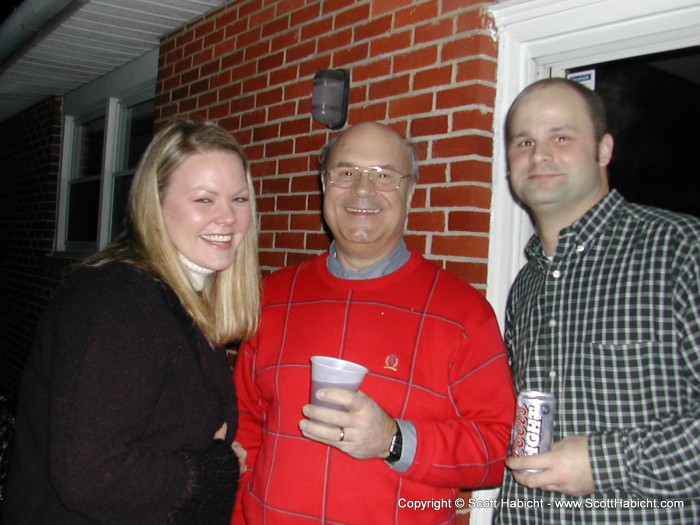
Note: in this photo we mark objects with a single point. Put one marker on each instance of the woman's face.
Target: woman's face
(206, 208)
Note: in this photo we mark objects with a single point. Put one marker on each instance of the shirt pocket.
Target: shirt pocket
(620, 382)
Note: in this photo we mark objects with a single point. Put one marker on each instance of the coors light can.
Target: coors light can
(534, 423)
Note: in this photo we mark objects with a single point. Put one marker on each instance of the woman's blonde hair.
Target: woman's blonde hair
(229, 306)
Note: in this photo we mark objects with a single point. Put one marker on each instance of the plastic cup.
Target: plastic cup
(337, 373)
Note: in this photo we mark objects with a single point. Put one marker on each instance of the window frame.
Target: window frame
(110, 96)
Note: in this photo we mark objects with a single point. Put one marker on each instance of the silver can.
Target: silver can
(534, 423)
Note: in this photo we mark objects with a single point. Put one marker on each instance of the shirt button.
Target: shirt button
(552, 323)
(556, 274)
(552, 374)
(580, 248)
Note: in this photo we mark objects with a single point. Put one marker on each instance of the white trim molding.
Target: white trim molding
(541, 38)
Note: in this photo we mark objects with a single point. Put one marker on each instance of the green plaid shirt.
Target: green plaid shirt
(611, 326)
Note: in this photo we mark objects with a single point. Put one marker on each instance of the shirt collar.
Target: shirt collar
(389, 264)
(582, 234)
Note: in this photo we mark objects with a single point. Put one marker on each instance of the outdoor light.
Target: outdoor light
(329, 102)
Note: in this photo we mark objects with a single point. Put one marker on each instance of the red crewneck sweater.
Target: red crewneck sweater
(435, 357)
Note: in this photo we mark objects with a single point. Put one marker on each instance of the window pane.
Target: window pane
(92, 136)
(83, 209)
(138, 128)
(122, 184)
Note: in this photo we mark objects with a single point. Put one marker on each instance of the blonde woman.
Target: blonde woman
(127, 410)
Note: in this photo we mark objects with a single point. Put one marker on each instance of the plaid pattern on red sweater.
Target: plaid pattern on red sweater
(435, 357)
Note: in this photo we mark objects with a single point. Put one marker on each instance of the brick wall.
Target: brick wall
(29, 157)
(427, 68)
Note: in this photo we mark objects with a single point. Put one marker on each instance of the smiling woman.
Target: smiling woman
(141, 401)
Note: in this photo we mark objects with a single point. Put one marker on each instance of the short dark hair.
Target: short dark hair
(593, 101)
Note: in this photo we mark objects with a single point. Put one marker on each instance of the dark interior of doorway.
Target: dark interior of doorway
(653, 104)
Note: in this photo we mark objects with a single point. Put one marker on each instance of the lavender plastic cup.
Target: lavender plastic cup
(336, 373)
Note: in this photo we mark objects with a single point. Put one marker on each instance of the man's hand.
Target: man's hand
(566, 468)
(367, 428)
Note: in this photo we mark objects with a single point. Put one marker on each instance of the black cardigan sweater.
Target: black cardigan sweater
(118, 406)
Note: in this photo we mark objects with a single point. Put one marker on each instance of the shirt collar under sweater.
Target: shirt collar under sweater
(198, 275)
(389, 264)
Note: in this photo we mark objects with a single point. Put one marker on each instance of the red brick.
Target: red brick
(275, 27)
(291, 203)
(367, 112)
(373, 27)
(470, 46)
(274, 221)
(474, 274)
(318, 242)
(316, 29)
(269, 62)
(335, 40)
(411, 105)
(262, 16)
(434, 30)
(279, 111)
(293, 165)
(372, 69)
(357, 14)
(439, 76)
(307, 183)
(275, 186)
(305, 15)
(468, 221)
(394, 86)
(309, 143)
(306, 221)
(429, 126)
(433, 174)
(267, 132)
(285, 41)
(416, 14)
(474, 119)
(271, 259)
(415, 59)
(415, 242)
(471, 171)
(269, 97)
(460, 245)
(295, 127)
(477, 69)
(382, 7)
(433, 221)
(351, 55)
(278, 148)
(390, 43)
(330, 6)
(462, 146)
(289, 6)
(283, 75)
(461, 196)
(465, 96)
(218, 111)
(302, 51)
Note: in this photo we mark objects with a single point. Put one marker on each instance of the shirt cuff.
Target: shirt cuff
(409, 446)
(608, 461)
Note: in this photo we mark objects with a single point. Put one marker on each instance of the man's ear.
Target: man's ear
(605, 150)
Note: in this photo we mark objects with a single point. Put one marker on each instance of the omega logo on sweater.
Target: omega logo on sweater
(391, 362)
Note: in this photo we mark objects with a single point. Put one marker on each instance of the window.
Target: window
(107, 127)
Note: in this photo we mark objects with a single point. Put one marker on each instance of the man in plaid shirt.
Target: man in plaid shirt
(606, 316)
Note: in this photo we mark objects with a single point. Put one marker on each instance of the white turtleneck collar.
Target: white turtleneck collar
(197, 274)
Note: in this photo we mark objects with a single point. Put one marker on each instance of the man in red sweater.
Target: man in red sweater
(435, 410)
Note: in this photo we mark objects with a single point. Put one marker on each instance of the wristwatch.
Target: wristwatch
(395, 447)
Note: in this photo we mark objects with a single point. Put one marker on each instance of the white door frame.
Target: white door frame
(541, 38)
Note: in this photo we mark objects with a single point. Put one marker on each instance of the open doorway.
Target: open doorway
(653, 106)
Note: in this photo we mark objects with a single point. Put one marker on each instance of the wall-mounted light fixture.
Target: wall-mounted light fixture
(329, 102)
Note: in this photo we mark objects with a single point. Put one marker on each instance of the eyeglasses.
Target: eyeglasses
(382, 179)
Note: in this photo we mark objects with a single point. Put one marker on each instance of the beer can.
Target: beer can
(534, 423)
